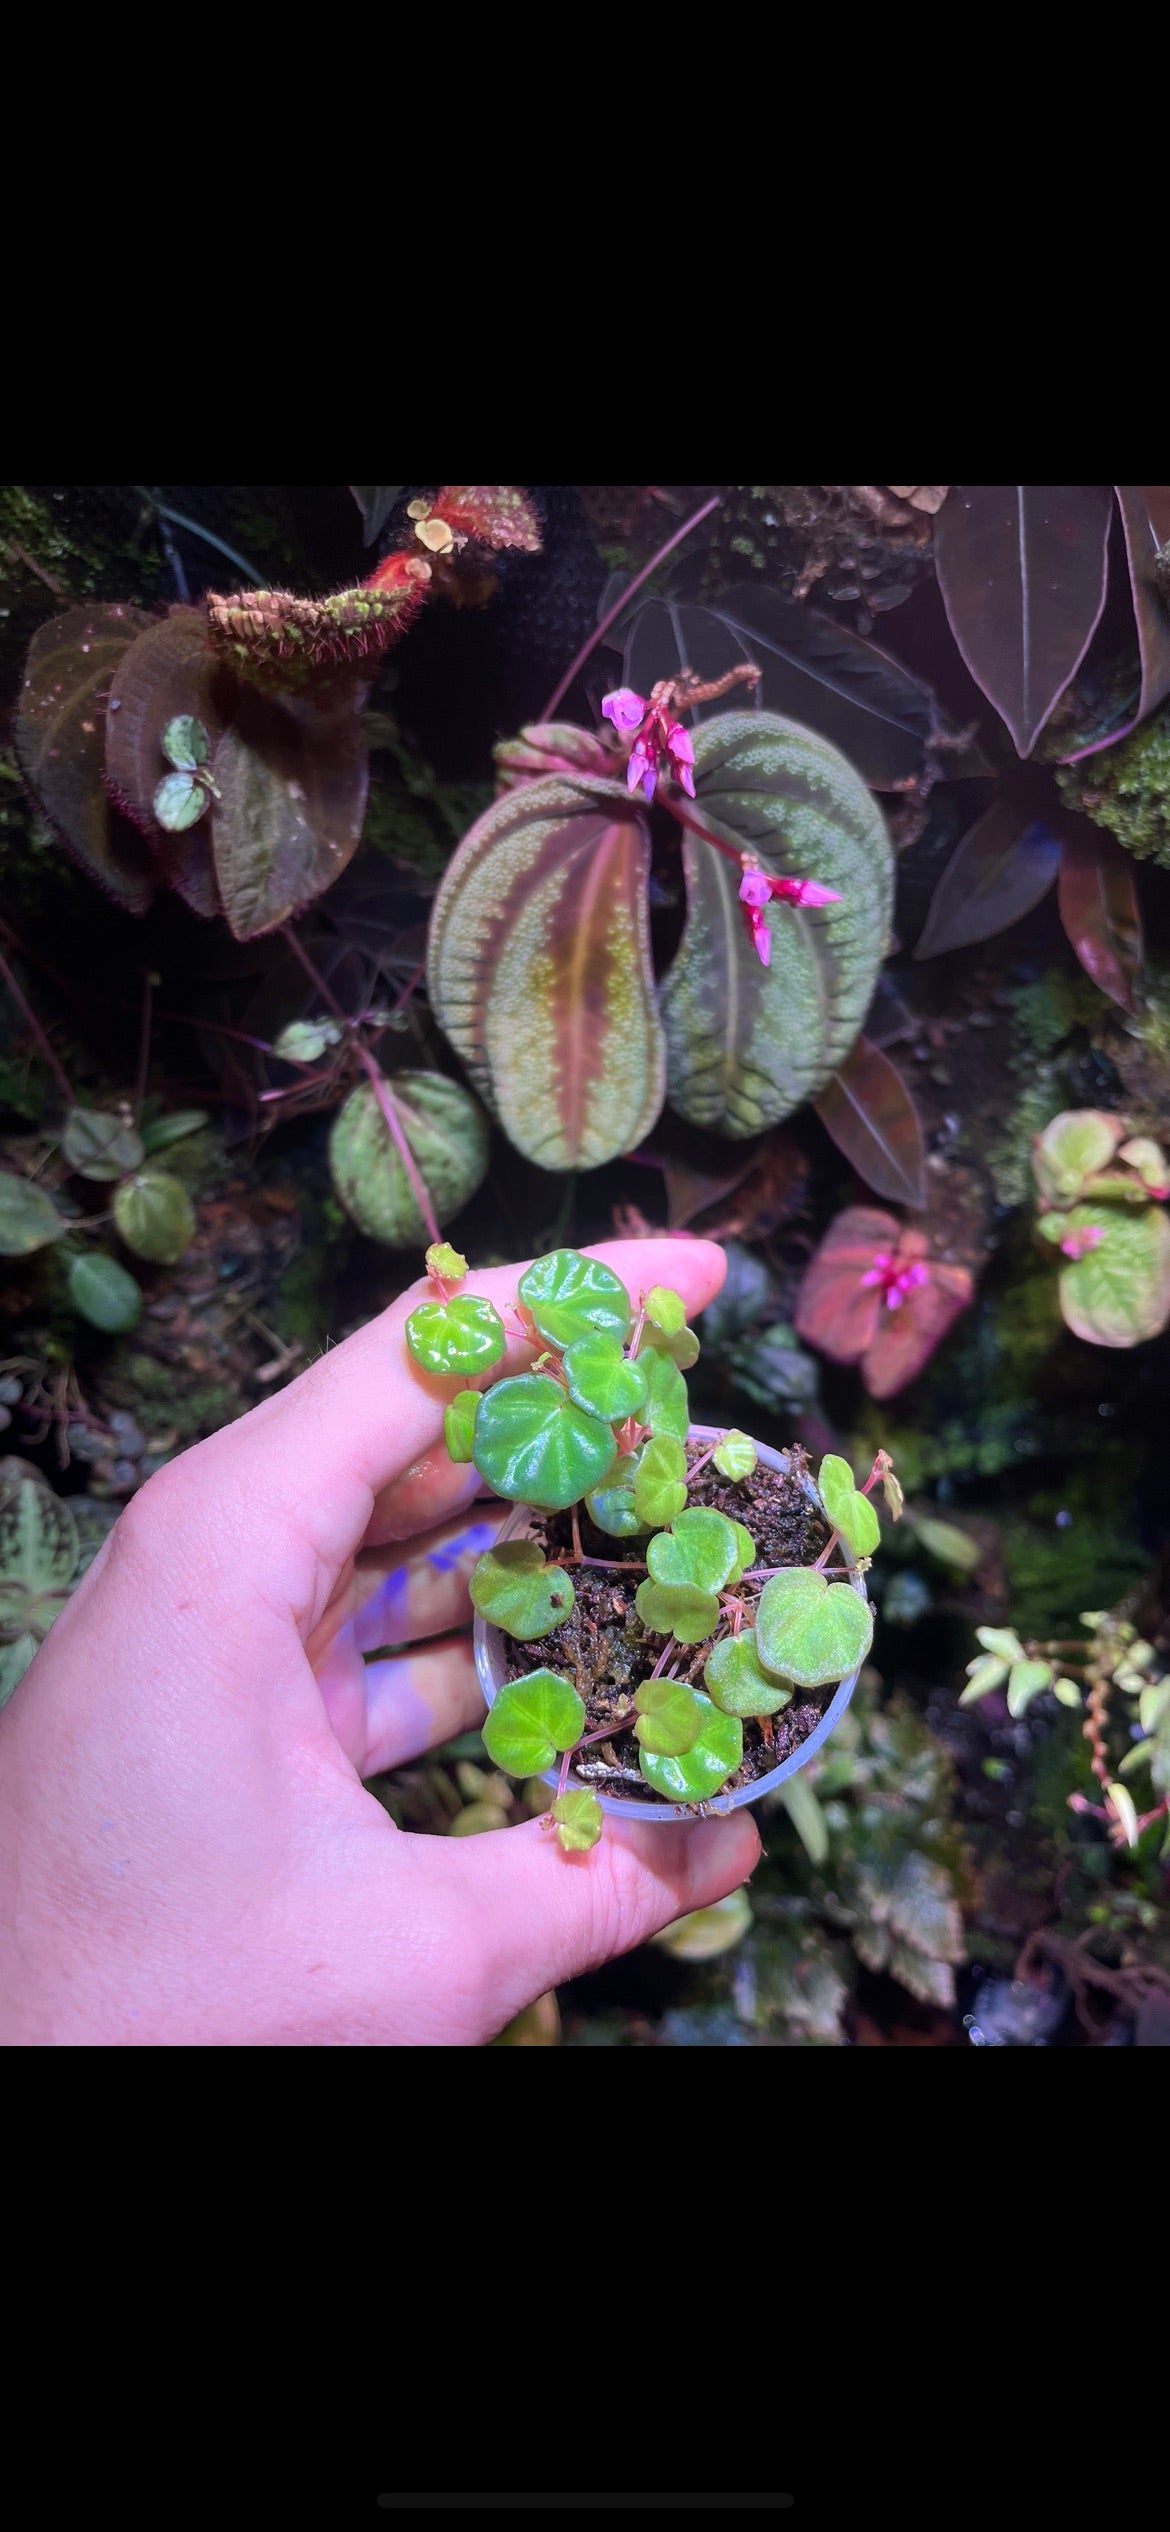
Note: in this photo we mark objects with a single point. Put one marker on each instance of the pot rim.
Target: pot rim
(489, 1658)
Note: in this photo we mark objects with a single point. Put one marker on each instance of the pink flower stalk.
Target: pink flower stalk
(896, 1282)
(1079, 1243)
(756, 888)
(659, 743)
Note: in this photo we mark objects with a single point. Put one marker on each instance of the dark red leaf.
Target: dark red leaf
(1100, 912)
(835, 1311)
(872, 1118)
(691, 1191)
(997, 873)
(1022, 572)
(1150, 608)
(1157, 501)
(60, 745)
(170, 670)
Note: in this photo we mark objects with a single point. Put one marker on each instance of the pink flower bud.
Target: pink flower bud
(624, 708)
(754, 888)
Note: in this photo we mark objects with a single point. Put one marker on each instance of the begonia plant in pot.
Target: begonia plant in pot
(673, 1619)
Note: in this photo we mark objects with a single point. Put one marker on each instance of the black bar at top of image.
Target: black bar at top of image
(600, 2500)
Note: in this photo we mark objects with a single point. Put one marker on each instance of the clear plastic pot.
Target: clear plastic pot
(490, 1663)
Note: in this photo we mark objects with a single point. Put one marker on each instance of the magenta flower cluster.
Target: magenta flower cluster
(895, 1281)
(756, 888)
(661, 745)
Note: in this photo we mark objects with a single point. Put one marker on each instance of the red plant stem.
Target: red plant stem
(668, 1648)
(604, 1564)
(577, 1547)
(29, 1015)
(143, 1044)
(630, 591)
(564, 1775)
(1096, 1709)
(384, 1096)
(697, 1464)
(287, 934)
(826, 1552)
(686, 818)
(636, 1338)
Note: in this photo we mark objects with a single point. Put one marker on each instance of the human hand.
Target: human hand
(189, 1855)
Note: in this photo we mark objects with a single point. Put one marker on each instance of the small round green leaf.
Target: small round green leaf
(534, 1446)
(459, 1424)
(28, 1217)
(667, 1408)
(982, 1676)
(531, 1721)
(745, 1550)
(681, 1346)
(1074, 1147)
(100, 1146)
(665, 1310)
(670, 1717)
(102, 1292)
(514, 1588)
(447, 1135)
(737, 1683)
(700, 1548)
(601, 1380)
(568, 1295)
(613, 1507)
(580, 1820)
(1119, 1292)
(456, 1337)
(304, 1041)
(1002, 1641)
(708, 1763)
(809, 1630)
(185, 742)
(445, 1262)
(850, 1512)
(155, 1216)
(1025, 1682)
(678, 1609)
(736, 1455)
(180, 801)
(660, 1481)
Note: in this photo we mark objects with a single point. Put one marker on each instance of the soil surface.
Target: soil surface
(606, 1651)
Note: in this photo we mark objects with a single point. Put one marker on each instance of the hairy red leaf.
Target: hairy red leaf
(60, 745)
(835, 1311)
(1100, 912)
(1022, 573)
(872, 1118)
(494, 514)
(998, 872)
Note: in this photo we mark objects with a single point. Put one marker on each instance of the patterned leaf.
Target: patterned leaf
(60, 742)
(1021, 568)
(747, 1044)
(539, 970)
(998, 872)
(498, 515)
(872, 1118)
(289, 817)
(1100, 912)
(449, 1138)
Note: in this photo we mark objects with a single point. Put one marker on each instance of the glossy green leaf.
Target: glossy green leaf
(28, 1217)
(514, 1588)
(173, 1128)
(1025, 1681)
(102, 1292)
(459, 1423)
(539, 969)
(660, 1481)
(445, 1262)
(700, 1548)
(456, 1337)
(746, 1043)
(849, 1512)
(708, 1763)
(601, 1380)
(705, 1933)
(737, 1683)
(60, 744)
(155, 1216)
(305, 1041)
(580, 1821)
(1119, 1292)
(678, 1609)
(185, 742)
(736, 1455)
(568, 1296)
(745, 1550)
(982, 1676)
(448, 1137)
(1072, 1148)
(665, 1310)
(534, 1446)
(614, 1507)
(682, 1347)
(1067, 1691)
(179, 801)
(668, 1408)
(1002, 1641)
(531, 1721)
(810, 1630)
(670, 1717)
(101, 1146)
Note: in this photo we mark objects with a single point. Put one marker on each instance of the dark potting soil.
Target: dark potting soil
(605, 1650)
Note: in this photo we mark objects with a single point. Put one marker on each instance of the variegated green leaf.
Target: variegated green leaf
(539, 970)
(746, 1044)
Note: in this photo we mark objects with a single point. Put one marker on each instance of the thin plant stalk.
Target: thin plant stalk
(559, 692)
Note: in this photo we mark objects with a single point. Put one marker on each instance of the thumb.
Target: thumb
(542, 1916)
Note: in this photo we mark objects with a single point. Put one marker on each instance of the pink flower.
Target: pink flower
(642, 768)
(805, 892)
(896, 1282)
(660, 744)
(624, 708)
(754, 888)
(682, 756)
(758, 934)
(1079, 1243)
(757, 889)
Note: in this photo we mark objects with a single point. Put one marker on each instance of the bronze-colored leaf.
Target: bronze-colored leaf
(60, 745)
(1099, 909)
(872, 1118)
(1021, 568)
(170, 669)
(292, 797)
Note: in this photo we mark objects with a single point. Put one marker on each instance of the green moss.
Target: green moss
(1127, 789)
(1090, 1563)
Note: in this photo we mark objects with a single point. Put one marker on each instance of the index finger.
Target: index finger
(311, 1462)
